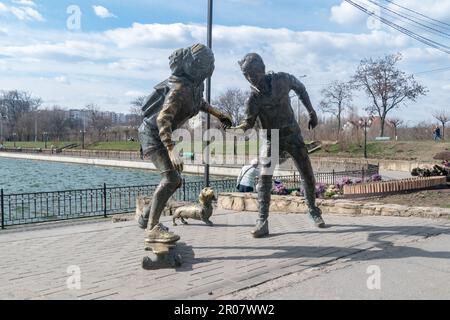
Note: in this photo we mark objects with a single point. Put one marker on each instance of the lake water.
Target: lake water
(24, 176)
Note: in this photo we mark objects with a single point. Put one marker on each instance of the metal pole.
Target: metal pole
(104, 201)
(2, 207)
(365, 139)
(208, 91)
(35, 128)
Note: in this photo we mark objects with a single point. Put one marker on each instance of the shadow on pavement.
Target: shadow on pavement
(376, 237)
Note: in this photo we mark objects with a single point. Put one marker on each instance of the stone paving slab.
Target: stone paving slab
(217, 260)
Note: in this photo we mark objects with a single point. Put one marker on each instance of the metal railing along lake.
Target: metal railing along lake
(28, 208)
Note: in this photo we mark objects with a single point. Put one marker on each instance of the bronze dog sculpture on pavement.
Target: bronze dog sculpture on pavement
(202, 212)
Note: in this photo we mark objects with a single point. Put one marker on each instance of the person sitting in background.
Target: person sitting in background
(246, 179)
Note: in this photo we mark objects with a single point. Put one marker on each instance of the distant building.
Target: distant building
(81, 115)
(84, 116)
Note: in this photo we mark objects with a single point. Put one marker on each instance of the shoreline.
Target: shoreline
(221, 171)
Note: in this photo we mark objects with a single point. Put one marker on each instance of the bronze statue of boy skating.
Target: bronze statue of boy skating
(174, 101)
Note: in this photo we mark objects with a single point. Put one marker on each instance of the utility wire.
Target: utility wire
(431, 71)
(416, 73)
(424, 40)
(433, 30)
(418, 13)
(424, 19)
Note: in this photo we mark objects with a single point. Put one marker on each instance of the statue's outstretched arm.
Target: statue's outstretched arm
(300, 89)
(226, 120)
(251, 114)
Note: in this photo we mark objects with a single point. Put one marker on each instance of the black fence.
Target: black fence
(28, 208)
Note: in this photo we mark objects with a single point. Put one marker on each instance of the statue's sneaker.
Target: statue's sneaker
(315, 215)
(161, 234)
(261, 230)
(142, 222)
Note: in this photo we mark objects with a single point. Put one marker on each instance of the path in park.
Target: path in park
(395, 175)
(297, 261)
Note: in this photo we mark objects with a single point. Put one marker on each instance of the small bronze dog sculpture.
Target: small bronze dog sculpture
(198, 212)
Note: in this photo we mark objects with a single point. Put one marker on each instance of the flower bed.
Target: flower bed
(323, 190)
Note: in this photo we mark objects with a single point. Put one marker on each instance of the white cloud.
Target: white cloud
(112, 67)
(103, 12)
(437, 9)
(135, 94)
(27, 13)
(66, 49)
(62, 79)
(24, 13)
(345, 13)
(156, 35)
(25, 3)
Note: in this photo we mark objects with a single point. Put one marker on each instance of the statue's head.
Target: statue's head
(207, 195)
(253, 68)
(197, 62)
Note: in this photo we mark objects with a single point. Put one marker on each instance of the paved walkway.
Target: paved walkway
(395, 175)
(224, 261)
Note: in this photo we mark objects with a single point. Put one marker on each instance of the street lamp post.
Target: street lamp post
(208, 89)
(46, 139)
(14, 139)
(2, 117)
(365, 123)
(82, 138)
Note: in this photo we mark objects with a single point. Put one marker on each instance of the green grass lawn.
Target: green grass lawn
(401, 150)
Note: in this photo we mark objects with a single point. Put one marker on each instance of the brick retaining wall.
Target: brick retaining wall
(293, 204)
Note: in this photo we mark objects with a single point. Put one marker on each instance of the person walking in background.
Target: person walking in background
(437, 133)
(246, 179)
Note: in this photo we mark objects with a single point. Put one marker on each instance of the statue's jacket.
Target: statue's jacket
(273, 106)
(183, 101)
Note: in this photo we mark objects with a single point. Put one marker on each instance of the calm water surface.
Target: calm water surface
(23, 176)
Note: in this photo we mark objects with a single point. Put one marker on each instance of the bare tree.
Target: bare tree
(57, 122)
(395, 122)
(443, 116)
(24, 126)
(386, 86)
(232, 102)
(336, 99)
(99, 120)
(136, 110)
(14, 104)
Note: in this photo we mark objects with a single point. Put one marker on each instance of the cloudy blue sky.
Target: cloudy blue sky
(119, 49)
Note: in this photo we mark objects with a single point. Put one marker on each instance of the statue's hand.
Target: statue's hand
(175, 159)
(239, 130)
(313, 120)
(226, 121)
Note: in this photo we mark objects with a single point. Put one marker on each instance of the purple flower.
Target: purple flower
(375, 177)
(320, 189)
